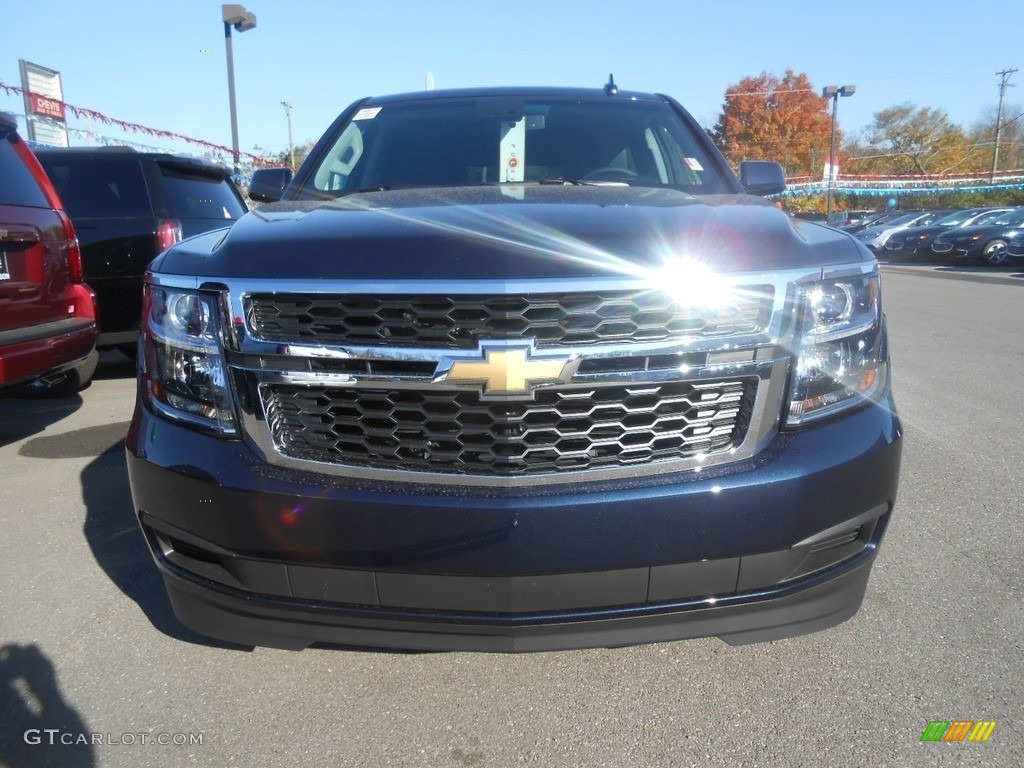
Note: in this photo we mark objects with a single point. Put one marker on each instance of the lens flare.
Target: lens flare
(290, 516)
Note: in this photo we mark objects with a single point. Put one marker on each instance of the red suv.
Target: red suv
(47, 313)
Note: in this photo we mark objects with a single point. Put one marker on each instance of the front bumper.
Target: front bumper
(946, 251)
(905, 249)
(774, 546)
(875, 245)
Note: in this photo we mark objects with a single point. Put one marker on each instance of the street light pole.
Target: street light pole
(291, 144)
(234, 16)
(834, 92)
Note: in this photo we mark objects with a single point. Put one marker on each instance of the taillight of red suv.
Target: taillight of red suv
(82, 300)
(168, 232)
(74, 251)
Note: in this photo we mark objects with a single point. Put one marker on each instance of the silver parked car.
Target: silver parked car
(875, 237)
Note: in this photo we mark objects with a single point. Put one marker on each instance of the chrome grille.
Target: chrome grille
(461, 321)
(456, 432)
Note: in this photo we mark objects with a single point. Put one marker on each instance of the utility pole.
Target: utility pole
(1004, 82)
(291, 144)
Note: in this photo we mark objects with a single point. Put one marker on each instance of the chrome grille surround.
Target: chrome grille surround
(760, 360)
(564, 429)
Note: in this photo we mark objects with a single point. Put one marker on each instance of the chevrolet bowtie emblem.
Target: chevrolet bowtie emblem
(510, 372)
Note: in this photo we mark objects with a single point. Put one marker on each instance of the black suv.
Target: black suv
(514, 369)
(127, 206)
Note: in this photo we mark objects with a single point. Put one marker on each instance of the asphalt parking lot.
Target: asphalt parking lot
(90, 651)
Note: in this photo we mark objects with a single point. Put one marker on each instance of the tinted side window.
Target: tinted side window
(99, 187)
(193, 196)
(17, 187)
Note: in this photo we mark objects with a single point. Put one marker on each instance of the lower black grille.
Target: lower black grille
(564, 429)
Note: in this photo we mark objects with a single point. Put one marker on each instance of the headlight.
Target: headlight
(842, 361)
(182, 370)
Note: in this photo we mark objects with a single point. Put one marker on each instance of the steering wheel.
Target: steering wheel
(611, 173)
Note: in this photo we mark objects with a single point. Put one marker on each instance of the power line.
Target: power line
(772, 93)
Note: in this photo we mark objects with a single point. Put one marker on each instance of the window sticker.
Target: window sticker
(512, 159)
(367, 113)
(693, 163)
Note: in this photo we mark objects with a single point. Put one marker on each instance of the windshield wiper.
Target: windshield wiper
(583, 182)
(361, 190)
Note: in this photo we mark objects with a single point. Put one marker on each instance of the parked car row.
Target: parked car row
(991, 235)
(977, 234)
(876, 235)
(78, 229)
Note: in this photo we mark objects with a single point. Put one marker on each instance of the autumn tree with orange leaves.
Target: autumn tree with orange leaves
(765, 118)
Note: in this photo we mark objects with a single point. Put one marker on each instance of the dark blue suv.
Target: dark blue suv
(513, 370)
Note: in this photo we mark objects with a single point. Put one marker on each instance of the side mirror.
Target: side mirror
(268, 184)
(760, 177)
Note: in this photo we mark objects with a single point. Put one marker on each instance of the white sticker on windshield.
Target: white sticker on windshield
(694, 165)
(512, 151)
(367, 113)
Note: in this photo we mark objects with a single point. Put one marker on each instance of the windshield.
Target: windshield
(904, 219)
(1009, 218)
(985, 218)
(958, 217)
(501, 140)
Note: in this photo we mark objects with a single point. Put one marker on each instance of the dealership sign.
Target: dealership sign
(44, 104)
(46, 107)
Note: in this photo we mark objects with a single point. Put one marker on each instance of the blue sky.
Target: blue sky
(162, 64)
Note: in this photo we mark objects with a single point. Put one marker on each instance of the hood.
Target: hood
(516, 232)
(929, 231)
(877, 229)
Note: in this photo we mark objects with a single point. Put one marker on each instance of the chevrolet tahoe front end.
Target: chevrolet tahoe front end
(515, 408)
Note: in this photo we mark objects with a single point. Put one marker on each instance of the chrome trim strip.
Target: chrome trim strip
(267, 351)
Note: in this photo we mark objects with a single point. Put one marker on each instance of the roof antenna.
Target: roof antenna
(610, 88)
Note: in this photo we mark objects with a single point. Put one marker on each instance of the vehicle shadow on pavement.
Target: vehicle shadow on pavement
(39, 727)
(114, 364)
(23, 418)
(110, 526)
